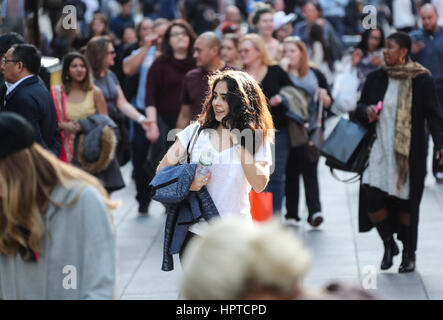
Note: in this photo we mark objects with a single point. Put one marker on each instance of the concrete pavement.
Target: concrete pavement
(339, 251)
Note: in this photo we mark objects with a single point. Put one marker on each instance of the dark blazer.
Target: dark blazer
(33, 101)
(424, 108)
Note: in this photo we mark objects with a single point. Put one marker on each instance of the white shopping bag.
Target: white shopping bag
(345, 90)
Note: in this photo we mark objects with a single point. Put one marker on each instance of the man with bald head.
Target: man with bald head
(195, 83)
(427, 49)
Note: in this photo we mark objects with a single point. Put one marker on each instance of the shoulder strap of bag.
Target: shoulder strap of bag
(188, 154)
(319, 109)
(353, 179)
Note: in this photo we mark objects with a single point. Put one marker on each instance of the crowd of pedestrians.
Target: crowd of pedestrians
(133, 72)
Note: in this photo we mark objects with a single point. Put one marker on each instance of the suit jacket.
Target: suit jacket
(32, 100)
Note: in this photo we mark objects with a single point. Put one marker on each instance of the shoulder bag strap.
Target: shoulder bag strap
(353, 179)
(188, 154)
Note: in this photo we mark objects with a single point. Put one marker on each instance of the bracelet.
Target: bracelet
(141, 118)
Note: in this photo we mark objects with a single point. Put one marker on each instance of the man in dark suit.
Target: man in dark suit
(24, 94)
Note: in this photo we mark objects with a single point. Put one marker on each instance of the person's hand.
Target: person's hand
(275, 100)
(417, 46)
(76, 127)
(71, 127)
(150, 39)
(439, 156)
(356, 56)
(199, 182)
(320, 21)
(325, 98)
(284, 63)
(376, 61)
(151, 129)
(372, 113)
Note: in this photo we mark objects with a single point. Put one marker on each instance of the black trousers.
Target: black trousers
(140, 146)
(299, 164)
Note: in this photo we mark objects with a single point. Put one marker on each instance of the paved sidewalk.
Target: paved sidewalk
(339, 251)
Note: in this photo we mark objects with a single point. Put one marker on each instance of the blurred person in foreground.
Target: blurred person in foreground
(257, 261)
(53, 215)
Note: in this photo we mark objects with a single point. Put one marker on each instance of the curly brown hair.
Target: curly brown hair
(248, 107)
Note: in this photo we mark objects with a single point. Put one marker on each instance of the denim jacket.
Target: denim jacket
(183, 207)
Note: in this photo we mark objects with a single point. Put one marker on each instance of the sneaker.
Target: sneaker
(316, 219)
(290, 222)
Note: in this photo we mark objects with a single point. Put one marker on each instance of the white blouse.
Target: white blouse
(228, 186)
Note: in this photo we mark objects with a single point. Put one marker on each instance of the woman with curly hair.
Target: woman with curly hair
(236, 127)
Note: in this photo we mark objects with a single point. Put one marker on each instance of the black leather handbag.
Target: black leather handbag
(347, 148)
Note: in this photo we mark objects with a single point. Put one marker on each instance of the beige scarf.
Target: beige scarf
(405, 73)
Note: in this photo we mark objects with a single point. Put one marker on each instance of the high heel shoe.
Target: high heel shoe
(407, 262)
(391, 250)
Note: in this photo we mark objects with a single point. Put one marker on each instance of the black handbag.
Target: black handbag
(347, 148)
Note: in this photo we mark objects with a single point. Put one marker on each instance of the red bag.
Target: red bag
(261, 205)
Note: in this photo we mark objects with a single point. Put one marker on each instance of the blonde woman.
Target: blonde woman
(258, 63)
(55, 220)
(258, 261)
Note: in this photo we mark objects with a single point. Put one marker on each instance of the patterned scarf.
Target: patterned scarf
(402, 147)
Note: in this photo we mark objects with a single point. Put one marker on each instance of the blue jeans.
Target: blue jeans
(280, 156)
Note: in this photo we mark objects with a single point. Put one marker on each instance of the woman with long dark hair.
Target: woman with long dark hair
(76, 99)
(368, 56)
(320, 53)
(235, 104)
(100, 54)
(393, 183)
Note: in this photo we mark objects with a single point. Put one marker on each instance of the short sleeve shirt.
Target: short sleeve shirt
(228, 187)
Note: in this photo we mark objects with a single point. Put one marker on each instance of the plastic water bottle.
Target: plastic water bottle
(204, 163)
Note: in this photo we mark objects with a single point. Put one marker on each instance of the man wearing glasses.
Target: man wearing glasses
(24, 94)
